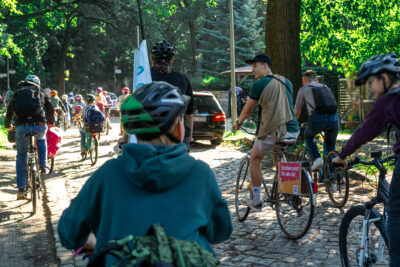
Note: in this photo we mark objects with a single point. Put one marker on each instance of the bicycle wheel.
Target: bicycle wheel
(243, 192)
(350, 235)
(295, 212)
(107, 125)
(93, 149)
(51, 164)
(336, 181)
(33, 174)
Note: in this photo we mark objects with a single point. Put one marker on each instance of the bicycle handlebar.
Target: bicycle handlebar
(377, 162)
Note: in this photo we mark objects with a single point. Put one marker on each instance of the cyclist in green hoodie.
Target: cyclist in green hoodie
(154, 181)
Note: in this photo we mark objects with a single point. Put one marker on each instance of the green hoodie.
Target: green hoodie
(146, 185)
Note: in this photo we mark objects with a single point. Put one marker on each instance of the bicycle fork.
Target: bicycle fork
(364, 243)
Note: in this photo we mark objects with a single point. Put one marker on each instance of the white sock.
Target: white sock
(256, 193)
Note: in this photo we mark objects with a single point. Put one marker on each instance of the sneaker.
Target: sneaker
(43, 170)
(317, 164)
(255, 206)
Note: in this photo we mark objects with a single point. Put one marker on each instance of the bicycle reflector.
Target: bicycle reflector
(219, 117)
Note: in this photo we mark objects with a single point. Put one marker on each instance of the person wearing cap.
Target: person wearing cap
(162, 59)
(277, 122)
(321, 121)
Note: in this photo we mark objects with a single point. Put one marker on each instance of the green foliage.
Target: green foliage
(345, 33)
(3, 131)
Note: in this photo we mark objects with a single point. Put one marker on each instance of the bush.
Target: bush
(3, 131)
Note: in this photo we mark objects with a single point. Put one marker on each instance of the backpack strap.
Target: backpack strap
(282, 82)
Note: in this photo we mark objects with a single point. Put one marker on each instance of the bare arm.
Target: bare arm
(246, 112)
(297, 113)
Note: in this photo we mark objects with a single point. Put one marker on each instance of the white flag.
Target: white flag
(141, 73)
(141, 67)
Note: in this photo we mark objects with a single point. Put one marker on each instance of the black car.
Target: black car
(208, 118)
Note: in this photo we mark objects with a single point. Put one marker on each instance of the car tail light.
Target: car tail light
(219, 117)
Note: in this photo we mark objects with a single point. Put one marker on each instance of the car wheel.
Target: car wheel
(216, 142)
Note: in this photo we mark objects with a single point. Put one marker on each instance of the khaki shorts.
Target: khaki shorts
(267, 144)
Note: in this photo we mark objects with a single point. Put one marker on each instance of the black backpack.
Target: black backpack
(27, 101)
(325, 102)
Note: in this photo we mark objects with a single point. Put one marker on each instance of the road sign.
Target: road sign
(3, 75)
(12, 71)
(117, 71)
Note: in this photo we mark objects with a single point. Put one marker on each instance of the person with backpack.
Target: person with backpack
(277, 123)
(58, 106)
(381, 76)
(31, 110)
(321, 106)
(90, 114)
(162, 58)
(154, 181)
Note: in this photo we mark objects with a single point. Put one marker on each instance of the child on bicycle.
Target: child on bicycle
(153, 181)
(381, 76)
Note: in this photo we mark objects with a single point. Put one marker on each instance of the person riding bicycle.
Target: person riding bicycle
(71, 98)
(67, 105)
(381, 75)
(277, 121)
(90, 103)
(100, 99)
(162, 59)
(120, 100)
(31, 110)
(321, 107)
(57, 105)
(153, 181)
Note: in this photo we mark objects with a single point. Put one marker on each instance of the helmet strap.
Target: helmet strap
(172, 138)
(385, 88)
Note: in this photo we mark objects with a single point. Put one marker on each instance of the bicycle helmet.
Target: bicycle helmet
(162, 52)
(64, 97)
(53, 93)
(376, 65)
(90, 98)
(70, 94)
(33, 79)
(125, 90)
(105, 93)
(152, 109)
(99, 90)
(78, 97)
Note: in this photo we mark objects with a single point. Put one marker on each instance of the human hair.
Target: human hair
(162, 67)
(393, 77)
(310, 75)
(163, 139)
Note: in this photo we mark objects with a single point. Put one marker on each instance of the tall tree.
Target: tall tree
(282, 39)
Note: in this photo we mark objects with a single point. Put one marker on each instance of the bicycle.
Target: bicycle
(34, 178)
(289, 207)
(366, 224)
(336, 180)
(91, 142)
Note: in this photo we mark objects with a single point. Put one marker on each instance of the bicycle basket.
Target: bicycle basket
(94, 127)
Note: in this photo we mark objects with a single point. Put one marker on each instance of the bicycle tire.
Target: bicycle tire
(107, 129)
(348, 222)
(33, 189)
(93, 149)
(290, 207)
(51, 161)
(243, 189)
(336, 181)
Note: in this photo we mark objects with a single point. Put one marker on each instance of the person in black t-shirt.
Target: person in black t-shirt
(162, 60)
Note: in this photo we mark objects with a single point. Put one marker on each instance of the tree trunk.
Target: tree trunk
(193, 44)
(63, 58)
(282, 39)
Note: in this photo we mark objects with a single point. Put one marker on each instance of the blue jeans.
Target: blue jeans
(394, 217)
(321, 123)
(22, 142)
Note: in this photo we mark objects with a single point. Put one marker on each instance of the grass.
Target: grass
(3, 131)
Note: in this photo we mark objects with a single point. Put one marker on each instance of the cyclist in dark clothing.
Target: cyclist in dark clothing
(162, 60)
(381, 74)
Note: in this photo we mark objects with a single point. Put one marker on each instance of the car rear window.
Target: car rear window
(205, 104)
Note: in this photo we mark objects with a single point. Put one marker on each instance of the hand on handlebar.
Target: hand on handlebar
(339, 161)
(236, 127)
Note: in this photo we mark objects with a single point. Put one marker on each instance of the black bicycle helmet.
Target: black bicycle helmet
(377, 64)
(162, 52)
(152, 109)
(90, 98)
